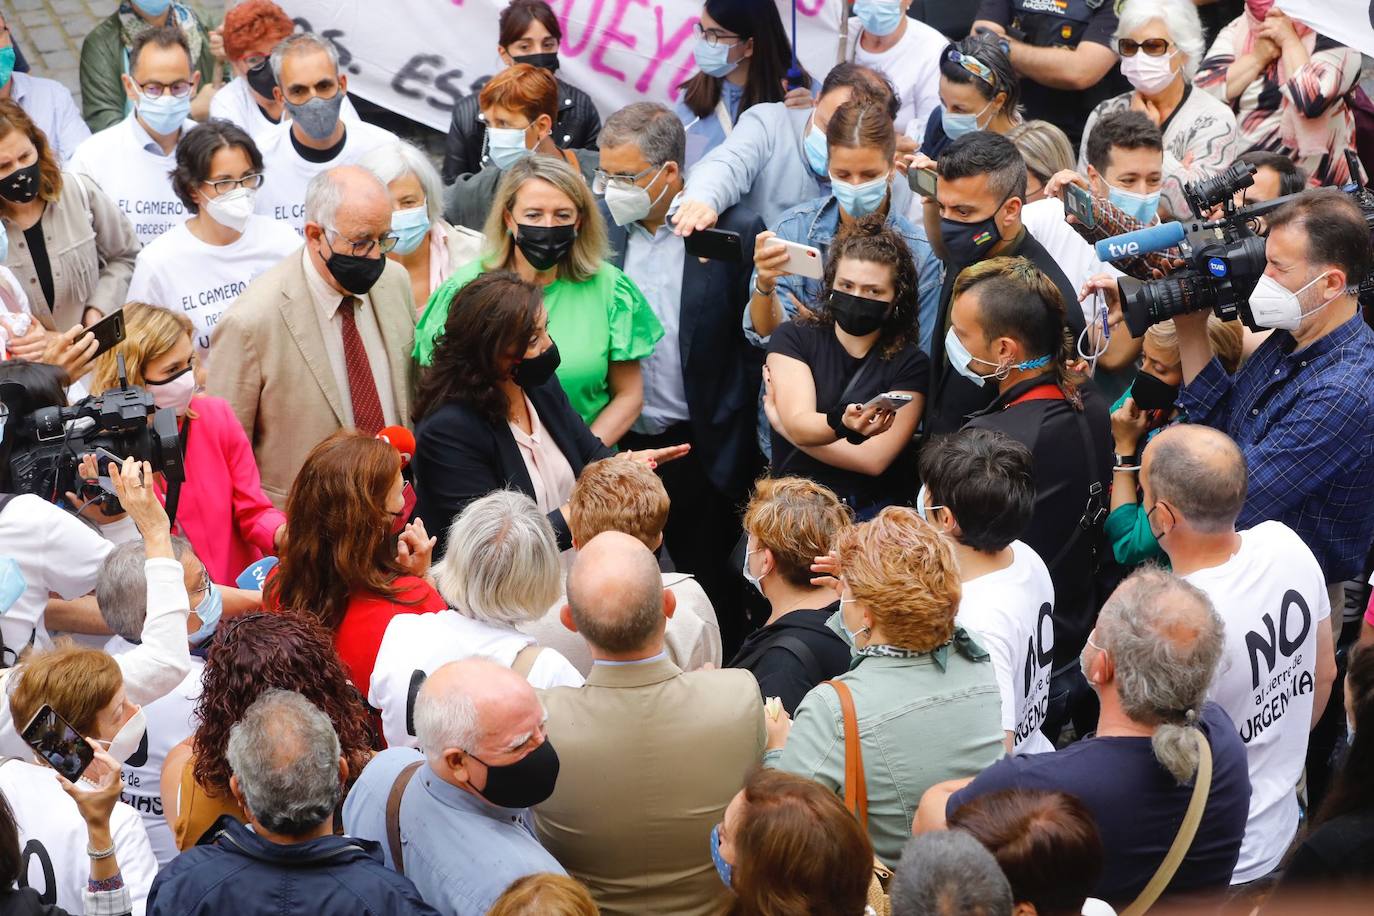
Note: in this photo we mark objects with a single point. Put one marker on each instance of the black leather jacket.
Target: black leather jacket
(465, 151)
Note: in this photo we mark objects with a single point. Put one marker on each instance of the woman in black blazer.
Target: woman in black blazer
(490, 415)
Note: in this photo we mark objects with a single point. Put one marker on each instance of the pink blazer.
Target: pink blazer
(223, 512)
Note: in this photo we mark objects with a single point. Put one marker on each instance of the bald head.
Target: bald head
(615, 593)
(1199, 472)
(476, 706)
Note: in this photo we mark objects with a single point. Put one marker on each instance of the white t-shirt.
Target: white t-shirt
(170, 721)
(51, 828)
(131, 169)
(180, 272)
(1044, 219)
(234, 102)
(286, 173)
(913, 66)
(414, 645)
(1011, 613)
(1272, 597)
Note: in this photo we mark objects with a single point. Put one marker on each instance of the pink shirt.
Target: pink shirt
(549, 470)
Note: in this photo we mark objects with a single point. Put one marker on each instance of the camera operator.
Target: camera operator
(1301, 408)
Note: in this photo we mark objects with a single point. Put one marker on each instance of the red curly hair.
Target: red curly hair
(249, 24)
(257, 652)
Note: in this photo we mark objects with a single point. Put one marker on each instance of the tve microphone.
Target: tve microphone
(1141, 241)
(255, 575)
(401, 439)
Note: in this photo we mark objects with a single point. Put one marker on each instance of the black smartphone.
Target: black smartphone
(1079, 203)
(108, 331)
(922, 181)
(53, 738)
(715, 245)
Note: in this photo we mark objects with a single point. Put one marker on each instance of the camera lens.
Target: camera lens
(1144, 304)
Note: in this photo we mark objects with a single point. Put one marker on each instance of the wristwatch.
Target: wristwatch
(1123, 463)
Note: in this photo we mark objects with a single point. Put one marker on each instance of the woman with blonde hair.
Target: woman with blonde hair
(222, 510)
(545, 894)
(544, 226)
(924, 692)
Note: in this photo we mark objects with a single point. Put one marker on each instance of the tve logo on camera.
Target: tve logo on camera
(1218, 267)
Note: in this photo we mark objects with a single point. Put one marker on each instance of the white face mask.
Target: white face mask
(628, 202)
(232, 208)
(1272, 305)
(1149, 75)
(122, 746)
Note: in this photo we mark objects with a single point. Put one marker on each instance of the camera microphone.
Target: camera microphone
(1141, 241)
(401, 439)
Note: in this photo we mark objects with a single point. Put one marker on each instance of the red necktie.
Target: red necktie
(362, 387)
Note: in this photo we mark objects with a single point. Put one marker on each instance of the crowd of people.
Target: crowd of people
(792, 501)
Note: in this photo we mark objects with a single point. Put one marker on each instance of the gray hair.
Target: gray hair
(121, 586)
(396, 160)
(285, 755)
(445, 719)
(1044, 146)
(500, 561)
(1201, 472)
(949, 873)
(1166, 640)
(297, 44)
(1180, 18)
(653, 128)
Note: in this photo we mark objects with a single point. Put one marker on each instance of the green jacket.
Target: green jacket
(918, 726)
(103, 102)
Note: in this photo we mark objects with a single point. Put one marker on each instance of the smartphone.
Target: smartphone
(53, 738)
(890, 400)
(1079, 203)
(802, 260)
(922, 181)
(714, 245)
(108, 331)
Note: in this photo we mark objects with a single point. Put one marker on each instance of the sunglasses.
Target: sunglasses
(1154, 47)
(972, 65)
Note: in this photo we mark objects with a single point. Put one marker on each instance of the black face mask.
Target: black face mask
(548, 61)
(356, 275)
(535, 371)
(544, 246)
(261, 79)
(525, 783)
(855, 314)
(21, 185)
(1149, 393)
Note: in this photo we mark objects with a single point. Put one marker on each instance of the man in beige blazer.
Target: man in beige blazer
(322, 341)
(650, 755)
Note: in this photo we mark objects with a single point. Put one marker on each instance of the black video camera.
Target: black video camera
(46, 443)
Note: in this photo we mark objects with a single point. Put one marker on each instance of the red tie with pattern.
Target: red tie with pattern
(362, 387)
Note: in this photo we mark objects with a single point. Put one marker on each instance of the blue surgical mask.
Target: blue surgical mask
(12, 583)
(210, 609)
(6, 65)
(723, 868)
(860, 199)
(411, 226)
(817, 152)
(165, 114)
(756, 581)
(506, 145)
(921, 507)
(714, 60)
(152, 7)
(956, 125)
(850, 635)
(960, 357)
(1143, 208)
(879, 17)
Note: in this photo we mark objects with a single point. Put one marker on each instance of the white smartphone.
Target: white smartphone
(890, 400)
(802, 260)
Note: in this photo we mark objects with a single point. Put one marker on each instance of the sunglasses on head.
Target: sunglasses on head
(1154, 47)
(972, 65)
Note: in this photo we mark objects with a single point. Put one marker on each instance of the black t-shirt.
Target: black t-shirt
(779, 671)
(1338, 853)
(831, 368)
(1056, 23)
(1139, 807)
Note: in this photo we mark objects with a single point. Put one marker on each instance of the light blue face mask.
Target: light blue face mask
(921, 507)
(860, 199)
(714, 60)
(209, 611)
(12, 583)
(756, 581)
(956, 125)
(723, 868)
(165, 114)
(960, 357)
(411, 226)
(152, 7)
(506, 145)
(817, 152)
(879, 17)
(1143, 208)
(849, 636)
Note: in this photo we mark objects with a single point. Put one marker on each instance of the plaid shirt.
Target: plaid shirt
(1305, 422)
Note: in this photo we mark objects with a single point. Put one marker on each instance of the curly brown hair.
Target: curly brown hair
(870, 239)
(258, 652)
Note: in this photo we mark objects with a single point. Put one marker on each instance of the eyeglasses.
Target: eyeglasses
(1154, 47)
(600, 179)
(713, 37)
(254, 61)
(180, 89)
(363, 247)
(225, 185)
(972, 65)
(203, 586)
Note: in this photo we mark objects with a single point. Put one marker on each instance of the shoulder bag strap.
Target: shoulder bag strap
(855, 790)
(1095, 491)
(1202, 788)
(393, 814)
(524, 660)
(794, 645)
(870, 361)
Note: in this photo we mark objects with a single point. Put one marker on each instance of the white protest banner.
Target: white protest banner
(419, 57)
(1350, 22)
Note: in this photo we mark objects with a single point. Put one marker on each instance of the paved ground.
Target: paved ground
(50, 33)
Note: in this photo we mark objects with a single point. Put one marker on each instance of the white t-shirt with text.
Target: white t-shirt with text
(286, 173)
(123, 160)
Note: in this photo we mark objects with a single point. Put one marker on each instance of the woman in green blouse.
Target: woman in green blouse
(544, 226)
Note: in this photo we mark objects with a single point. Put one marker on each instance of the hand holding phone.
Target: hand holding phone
(58, 744)
(714, 245)
(802, 260)
(923, 181)
(890, 400)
